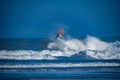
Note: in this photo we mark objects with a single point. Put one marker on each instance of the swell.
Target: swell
(90, 47)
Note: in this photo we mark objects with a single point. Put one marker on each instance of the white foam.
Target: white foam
(87, 64)
(92, 43)
(25, 55)
(34, 55)
(89, 43)
(93, 47)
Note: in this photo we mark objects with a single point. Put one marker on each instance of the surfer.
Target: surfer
(59, 34)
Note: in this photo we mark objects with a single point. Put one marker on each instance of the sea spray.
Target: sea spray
(90, 46)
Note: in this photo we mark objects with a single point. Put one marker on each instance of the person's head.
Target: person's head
(59, 33)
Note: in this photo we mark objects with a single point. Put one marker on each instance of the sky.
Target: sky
(42, 18)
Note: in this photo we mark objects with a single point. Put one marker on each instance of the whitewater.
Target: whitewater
(91, 47)
(60, 59)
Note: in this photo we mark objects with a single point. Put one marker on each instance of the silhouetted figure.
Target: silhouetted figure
(59, 34)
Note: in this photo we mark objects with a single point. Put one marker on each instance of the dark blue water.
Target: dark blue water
(32, 59)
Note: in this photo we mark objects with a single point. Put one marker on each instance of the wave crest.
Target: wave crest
(91, 46)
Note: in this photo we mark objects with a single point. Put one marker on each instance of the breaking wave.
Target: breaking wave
(87, 64)
(91, 46)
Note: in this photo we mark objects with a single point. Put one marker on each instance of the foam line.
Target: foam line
(88, 64)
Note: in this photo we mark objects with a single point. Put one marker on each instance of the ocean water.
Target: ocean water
(89, 58)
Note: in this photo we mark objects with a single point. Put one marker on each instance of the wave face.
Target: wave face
(91, 47)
